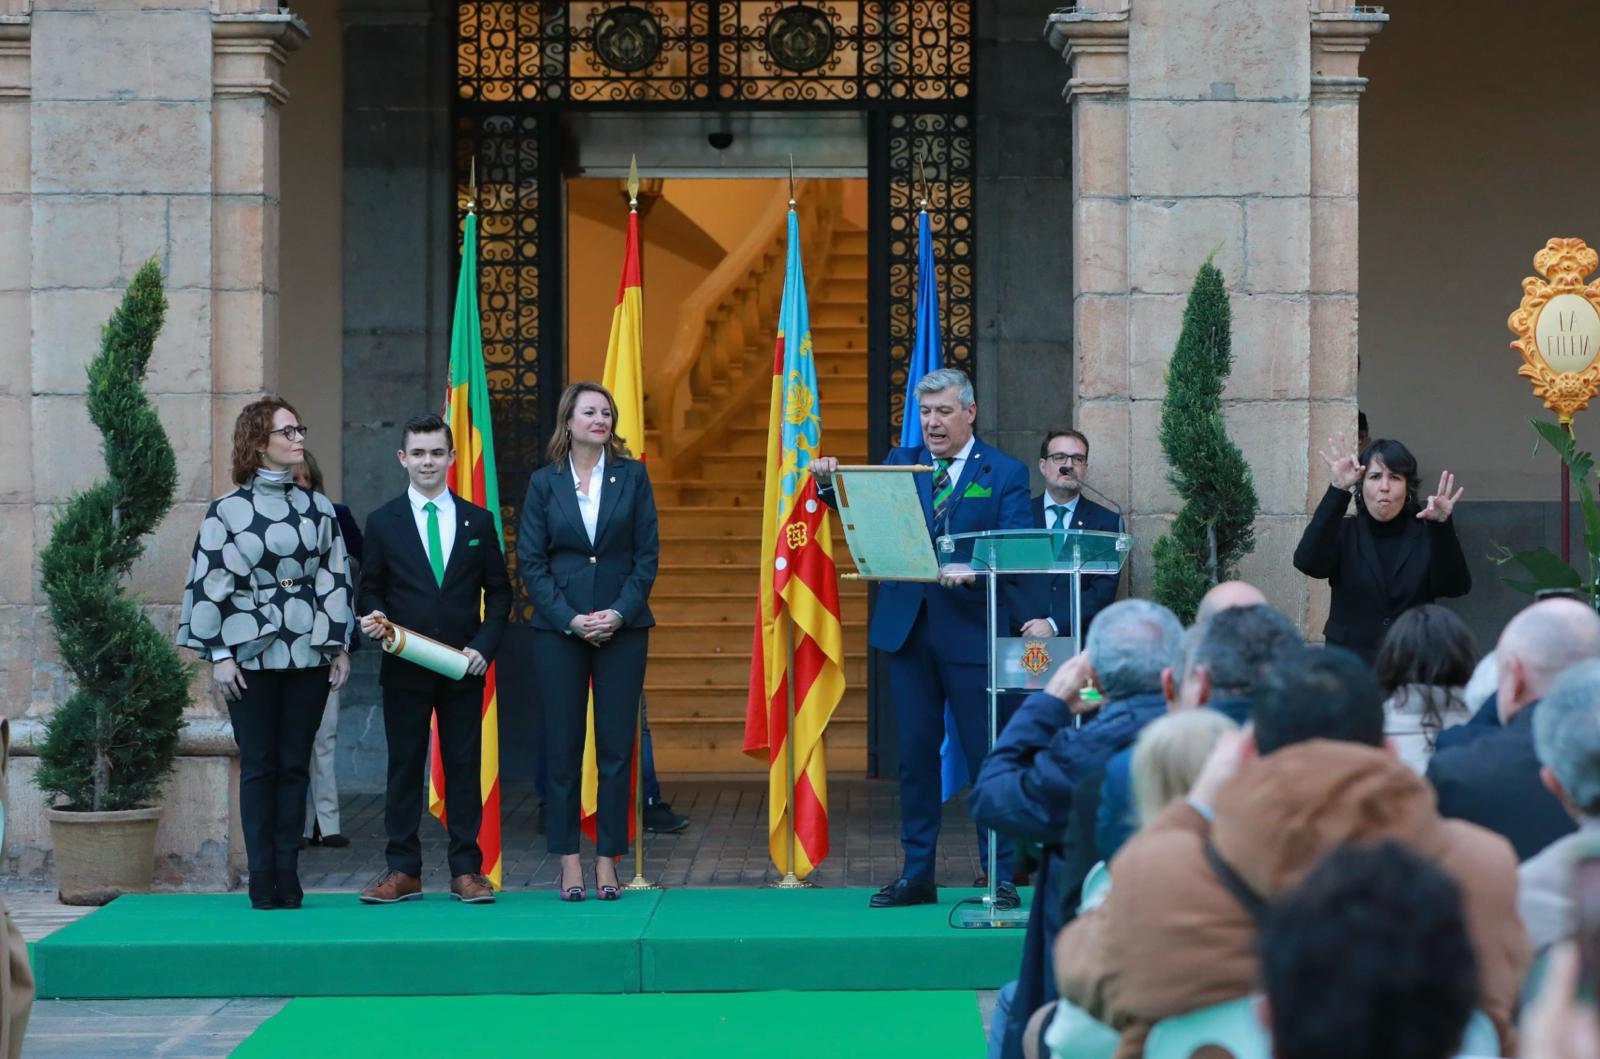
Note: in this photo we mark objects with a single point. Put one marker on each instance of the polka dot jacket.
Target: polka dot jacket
(268, 582)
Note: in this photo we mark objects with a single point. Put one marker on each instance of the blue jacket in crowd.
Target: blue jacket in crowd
(1025, 791)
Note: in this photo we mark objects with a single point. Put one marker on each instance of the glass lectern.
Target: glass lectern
(1019, 663)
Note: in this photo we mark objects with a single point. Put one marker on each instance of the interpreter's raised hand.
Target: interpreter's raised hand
(1229, 754)
(1442, 503)
(372, 624)
(1344, 467)
(230, 681)
(476, 666)
(1070, 678)
(338, 671)
(952, 575)
(1037, 627)
(822, 468)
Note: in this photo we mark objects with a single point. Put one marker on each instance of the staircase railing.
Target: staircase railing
(727, 325)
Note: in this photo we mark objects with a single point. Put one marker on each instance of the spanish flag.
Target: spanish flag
(799, 587)
(473, 479)
(623, 375)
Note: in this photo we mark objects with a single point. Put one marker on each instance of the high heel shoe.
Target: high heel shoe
(569, 893)
(604, 892)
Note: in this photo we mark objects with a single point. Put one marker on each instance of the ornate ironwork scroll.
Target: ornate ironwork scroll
(690, 51)
(508, 151)
(946, 146)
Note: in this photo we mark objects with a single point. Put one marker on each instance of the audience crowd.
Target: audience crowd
(1250, 846)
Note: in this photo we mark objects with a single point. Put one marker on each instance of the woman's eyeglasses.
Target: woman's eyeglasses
(290, 433)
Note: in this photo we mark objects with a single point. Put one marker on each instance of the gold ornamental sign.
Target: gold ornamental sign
(1558, 327)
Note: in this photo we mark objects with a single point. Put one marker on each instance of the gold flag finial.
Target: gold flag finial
(922, 173)
(472, 187)
(791, 180)
(633, 182)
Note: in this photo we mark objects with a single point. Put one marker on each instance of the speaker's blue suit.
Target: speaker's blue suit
(937, 640)
(1097, 591)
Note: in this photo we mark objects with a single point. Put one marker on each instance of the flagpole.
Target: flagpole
(790, 881)
(638, 882)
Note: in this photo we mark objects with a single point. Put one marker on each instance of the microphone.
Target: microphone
(1115, 506)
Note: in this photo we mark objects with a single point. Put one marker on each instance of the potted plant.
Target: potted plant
(108, 748)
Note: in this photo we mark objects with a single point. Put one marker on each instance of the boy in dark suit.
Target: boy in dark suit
(1063, 459)
(433, 565)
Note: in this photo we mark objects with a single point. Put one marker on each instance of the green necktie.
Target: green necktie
(1059, 513)
(435, 547)
(942, 488)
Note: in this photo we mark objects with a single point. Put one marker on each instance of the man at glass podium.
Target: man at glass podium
(936, 634)
(1064, 463)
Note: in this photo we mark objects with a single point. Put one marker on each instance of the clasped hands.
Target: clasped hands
(372, 625)
(597, 627)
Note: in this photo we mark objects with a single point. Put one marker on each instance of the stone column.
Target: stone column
(16, 478)
(1203, 131)
(148, 132)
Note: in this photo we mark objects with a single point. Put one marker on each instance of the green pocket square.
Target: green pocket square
(473, 543)
(978, 490)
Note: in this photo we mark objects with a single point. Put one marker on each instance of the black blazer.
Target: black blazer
(1493, 781)
(1365, 602)
(468, 610)
(563, 573)
(1098, 591)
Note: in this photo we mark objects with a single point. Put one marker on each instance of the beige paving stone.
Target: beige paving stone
(1155, 321)
(1334, 326)
(60, 425)
(244, 242)
(1271, 347)
(1151, 491)
(1273, 437)
(16, 323)
(99, 241)
(16, 223)
(67, 336)
(117, 55)
(1277, 245)
(159, 575)
(1100, 148)
(181, 361)
(246, 130)
(1335, 243)
(187, 261)
(1169, 239)
(1247, 49)
(16, 558)
(1269, 568)
(16, 470)
(1100, 247)
(187, 418)
(14, 133)
(139, 146)
(243, 320)
(1178, 149)
(1106, 422)
(1101, 350)
(1335, 147)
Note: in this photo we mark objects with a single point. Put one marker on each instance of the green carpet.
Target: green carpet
(711, 940)
(679, 941)
(779, 1025)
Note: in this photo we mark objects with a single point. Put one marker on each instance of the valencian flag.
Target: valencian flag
(926, 353)
(799, 584)
(623, 375)
(473, 479)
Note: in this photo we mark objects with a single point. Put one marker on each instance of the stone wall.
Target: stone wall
(1225, 132)
(145, 130)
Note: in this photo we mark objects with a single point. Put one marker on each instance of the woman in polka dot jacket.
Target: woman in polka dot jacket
(268, 605)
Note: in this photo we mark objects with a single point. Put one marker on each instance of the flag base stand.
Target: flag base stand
(986, 916)
(790, 881)
(639, 882)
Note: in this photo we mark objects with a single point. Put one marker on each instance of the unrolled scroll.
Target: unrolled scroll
(424, 651)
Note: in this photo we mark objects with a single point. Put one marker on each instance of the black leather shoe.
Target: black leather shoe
(335, 841)
(904, 892)
(261, 890)
(1006, 897)
(660, 819)
(286, 886)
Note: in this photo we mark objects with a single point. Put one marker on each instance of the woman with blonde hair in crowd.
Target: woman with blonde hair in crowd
(1169, 754)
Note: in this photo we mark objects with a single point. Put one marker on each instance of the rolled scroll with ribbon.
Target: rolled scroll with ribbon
(423, 651)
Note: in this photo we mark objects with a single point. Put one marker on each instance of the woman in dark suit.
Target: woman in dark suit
(587, 549)
(1395, 554)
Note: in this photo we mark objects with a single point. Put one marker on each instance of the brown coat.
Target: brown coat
(1169, 938)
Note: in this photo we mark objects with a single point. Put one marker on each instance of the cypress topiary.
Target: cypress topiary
(111, 744)
(1215, 528)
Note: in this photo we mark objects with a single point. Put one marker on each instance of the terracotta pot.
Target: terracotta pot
(101, 855)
